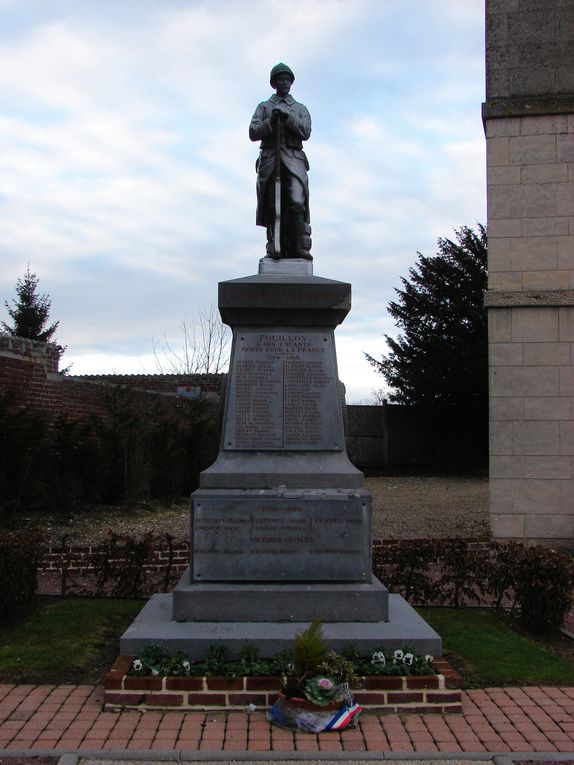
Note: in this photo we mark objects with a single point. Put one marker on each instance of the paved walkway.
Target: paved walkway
(70, 718)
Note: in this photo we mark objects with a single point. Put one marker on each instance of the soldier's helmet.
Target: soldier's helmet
(279, 69)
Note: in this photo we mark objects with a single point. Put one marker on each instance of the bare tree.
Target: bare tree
(203, 347)
(379, 396)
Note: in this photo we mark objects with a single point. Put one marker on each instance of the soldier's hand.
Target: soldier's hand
(279, 114)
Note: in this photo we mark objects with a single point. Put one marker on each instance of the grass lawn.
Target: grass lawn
(66, 641)
(76, 640)
(487, 652)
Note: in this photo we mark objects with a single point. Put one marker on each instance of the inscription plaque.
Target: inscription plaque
(274, 539)
(284, 392)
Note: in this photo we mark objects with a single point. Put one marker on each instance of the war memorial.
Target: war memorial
(280, 530)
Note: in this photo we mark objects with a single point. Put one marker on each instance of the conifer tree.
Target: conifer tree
(441, 355)
(30, 311)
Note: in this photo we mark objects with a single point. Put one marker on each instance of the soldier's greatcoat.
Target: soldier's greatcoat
(294, 130)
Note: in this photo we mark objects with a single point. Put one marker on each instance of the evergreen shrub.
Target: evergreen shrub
(543, 583)
(19, 554)
(533, 580)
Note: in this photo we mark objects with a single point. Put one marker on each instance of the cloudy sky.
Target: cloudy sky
(127, 176)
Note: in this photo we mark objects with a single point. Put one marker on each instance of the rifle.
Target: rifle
(277, 228)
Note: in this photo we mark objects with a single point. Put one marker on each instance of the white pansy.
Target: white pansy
(137, 664)
(429, 658)
(408, 659)
(186, 665)
(378, 658)
(398, 654)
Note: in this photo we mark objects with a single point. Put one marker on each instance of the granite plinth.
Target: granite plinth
(194, 601)
(268, 470)
(155, 625)
(283, 391)
(279, 299)
(281, 527)
(283, 423)
(288, 535)
(299, 266)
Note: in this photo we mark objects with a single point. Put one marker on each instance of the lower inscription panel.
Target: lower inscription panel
(281, 539)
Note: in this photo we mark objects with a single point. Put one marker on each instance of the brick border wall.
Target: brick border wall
(416, 694)
(76, 558)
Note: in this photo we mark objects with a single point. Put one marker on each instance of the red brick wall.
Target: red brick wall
(30, 369)
(25, 366)
(160, 383)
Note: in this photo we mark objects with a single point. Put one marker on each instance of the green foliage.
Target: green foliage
(462, 570)
(70, 641)
(543, 584)
(500, 571)
(73, 458)
(282, 663)
(251, 661)
(23, 438)
(119, 565)
(216, 660)
(137, 449)
(153, 450)
(19, 554)
(339, 667)
(441, 355)
(30, 311)
(402, 661)
(309, 650)
(334, 667)
(322, 690)
(406, 568)
(538, 581)
(488, 653)
(159, 660)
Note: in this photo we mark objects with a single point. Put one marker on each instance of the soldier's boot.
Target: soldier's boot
(299, 237)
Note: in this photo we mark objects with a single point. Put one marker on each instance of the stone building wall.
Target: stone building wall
(529, 126)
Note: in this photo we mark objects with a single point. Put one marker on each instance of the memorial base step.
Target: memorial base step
(155, 625)
(347, 602)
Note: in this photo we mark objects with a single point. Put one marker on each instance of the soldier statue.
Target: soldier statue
(282, 124)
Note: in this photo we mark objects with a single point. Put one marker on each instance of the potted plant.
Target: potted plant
(317, 695)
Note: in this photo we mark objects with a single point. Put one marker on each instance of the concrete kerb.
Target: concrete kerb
(107, 757)
(437, 758)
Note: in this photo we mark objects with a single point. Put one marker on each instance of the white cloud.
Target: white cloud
(127, 177)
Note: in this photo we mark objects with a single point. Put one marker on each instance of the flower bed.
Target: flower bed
(438, 693)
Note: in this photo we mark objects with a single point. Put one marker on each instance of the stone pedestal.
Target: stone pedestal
(281, 526)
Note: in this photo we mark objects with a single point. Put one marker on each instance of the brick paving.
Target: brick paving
(68, 717)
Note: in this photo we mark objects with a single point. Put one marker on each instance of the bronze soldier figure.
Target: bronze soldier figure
(284, 122)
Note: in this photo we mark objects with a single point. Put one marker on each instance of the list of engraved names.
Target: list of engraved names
(283, 392)
(254, 537)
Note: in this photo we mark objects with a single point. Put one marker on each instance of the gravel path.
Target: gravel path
(407, 507)
(404, 507)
